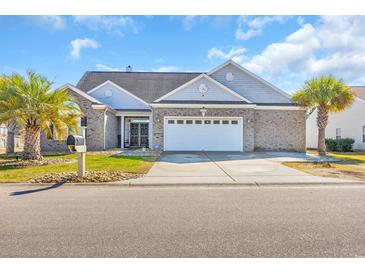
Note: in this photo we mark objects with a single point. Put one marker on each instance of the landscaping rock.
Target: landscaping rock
(90, 177)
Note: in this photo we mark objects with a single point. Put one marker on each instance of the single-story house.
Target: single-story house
(349, 123)
(226, 109)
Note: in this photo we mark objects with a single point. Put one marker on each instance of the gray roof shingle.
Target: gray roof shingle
(359, 91)
(148, 86)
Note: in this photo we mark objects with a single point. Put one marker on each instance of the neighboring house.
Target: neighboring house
(226, 109)
(349, 123)
(3, 136)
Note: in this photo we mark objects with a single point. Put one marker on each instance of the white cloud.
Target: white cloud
(167, 69)
(79, 44)
(276, 58)
(233, 53)
(107, 68)
(332, 45)
(249, 27)
(188, 22)
(55, 22)
(159, 60)
(114, 24)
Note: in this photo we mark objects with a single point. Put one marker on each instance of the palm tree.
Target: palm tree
(36, 107)
(326, 94)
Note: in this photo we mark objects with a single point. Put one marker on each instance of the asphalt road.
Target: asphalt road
(113, 221)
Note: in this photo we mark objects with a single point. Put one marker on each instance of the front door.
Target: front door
(139, 134)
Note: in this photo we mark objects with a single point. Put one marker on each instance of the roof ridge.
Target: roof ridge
(155, 72)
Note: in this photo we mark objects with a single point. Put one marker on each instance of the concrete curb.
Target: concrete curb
(176, 185)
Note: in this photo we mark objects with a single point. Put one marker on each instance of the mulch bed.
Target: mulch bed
(44, 162)
(90, 177)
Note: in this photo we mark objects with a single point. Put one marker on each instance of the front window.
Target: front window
(338, 133)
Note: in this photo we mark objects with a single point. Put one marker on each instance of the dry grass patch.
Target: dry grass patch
(342, 170)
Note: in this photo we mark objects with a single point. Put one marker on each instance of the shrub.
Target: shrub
(331, 144)
(341, 145)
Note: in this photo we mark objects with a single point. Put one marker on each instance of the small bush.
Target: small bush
(331, 144)
(341, 145)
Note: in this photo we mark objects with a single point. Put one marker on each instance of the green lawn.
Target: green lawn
(95, 162)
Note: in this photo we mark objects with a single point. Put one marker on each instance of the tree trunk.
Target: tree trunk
(32, 143)
(322, 119)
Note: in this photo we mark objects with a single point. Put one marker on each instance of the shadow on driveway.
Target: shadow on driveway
(30, 191)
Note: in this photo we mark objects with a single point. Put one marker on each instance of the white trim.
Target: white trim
(280, 108)
(255, 76)
(105, 121)
(98, 106)
(102, 107)
(122, 131)
(150, 132)
(163, 105)
(357, 97)
(137, 114)
(203, 75)
(119, 88)
(200, 118)
(80, 92)
(253, 106)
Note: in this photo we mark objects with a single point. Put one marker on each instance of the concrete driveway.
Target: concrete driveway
(229, 168)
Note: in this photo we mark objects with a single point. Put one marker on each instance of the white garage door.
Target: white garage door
(209, 134)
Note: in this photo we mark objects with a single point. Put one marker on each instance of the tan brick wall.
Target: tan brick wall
(95, 127)
(247, 114)
(280, 130)
(112, 130)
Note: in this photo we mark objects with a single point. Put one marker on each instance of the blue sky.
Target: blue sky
(285, 50)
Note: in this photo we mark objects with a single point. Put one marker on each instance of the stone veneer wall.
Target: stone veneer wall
(95, 127)
(112, 130)
(247, 114)
(280, 130)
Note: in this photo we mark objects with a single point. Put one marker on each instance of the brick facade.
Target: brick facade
(247, 114)
(280, 130)
(95, 127)
(262, 129)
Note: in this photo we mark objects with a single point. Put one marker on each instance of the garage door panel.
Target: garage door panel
(197, 137)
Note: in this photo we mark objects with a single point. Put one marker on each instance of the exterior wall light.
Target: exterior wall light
(203, 111)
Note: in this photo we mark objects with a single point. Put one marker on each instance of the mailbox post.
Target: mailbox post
(82, 156)
(77, 143)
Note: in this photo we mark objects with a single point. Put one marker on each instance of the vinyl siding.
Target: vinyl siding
(249, 87)
(350, 121)
(192, 93)
(119, 99)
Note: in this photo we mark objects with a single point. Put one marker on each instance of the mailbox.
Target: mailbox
(76, 143)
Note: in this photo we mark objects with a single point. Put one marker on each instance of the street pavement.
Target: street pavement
(117, 221)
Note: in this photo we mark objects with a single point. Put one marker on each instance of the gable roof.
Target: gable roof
(203, 75)
(148, 86)
(359, 91)
(253, 75)
(108, 82)
(81, 93)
